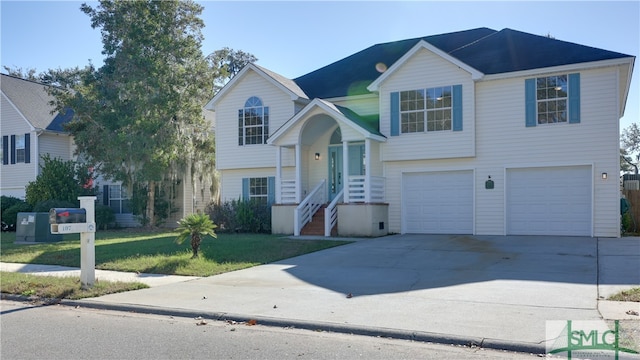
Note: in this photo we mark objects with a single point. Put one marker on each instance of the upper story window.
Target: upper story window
(426, 110)
(20, 149)
(551, 97)
(552, 100)
(253, 122)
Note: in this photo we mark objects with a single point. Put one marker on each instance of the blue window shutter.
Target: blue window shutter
(105, 195)
(457, 108)
(271, 190)
(574, 98)
(395, 113)
(27, 148)
(5, 150)
(13, 149)
(245, 189)
(530, 102)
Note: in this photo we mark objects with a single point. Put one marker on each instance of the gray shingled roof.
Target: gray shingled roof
(32, 101)
(286, 82)
(486, 50)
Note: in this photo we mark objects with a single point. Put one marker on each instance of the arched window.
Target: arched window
(253, 122)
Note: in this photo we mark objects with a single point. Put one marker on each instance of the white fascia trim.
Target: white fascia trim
(31, 127)
(236, 79)
(375, 85)
(330, 109)
(627, 87)
(561, 68)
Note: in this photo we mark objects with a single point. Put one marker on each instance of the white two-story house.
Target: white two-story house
(473, 132)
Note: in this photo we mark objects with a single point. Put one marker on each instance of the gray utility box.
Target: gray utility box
(34, 227)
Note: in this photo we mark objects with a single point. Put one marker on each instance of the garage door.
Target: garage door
(549, 201)
(438, 202)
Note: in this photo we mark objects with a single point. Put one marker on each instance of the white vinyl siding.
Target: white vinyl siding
(13, 181)
(361, 105)
(56, 145)
(504, 142)
(228, 153)
(427, 70)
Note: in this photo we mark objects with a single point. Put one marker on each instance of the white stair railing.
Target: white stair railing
(361, 192)
(331, 213)
(304, 212)
(288, 191)
(356, 189)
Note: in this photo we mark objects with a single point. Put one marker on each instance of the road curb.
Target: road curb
(421, 336)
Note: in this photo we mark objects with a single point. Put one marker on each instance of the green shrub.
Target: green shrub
(7, 202)
(105, 218)
(241, 216)
(45, 206)
(10, 215)
(60, 179)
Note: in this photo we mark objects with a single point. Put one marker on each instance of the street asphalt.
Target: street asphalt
(492, 291)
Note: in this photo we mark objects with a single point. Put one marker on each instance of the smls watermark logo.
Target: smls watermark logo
(585, 340)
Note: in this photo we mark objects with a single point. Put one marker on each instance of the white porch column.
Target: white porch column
(298, 173)
(345, 170)
(278, 175)
(367, 170)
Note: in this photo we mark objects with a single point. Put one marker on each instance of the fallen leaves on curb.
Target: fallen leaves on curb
(632, 312)
(252, 322)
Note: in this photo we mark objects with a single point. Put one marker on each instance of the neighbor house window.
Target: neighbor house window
(253, 122)
(426, 110)
(117, 199)
(20, 149)
(551, 98)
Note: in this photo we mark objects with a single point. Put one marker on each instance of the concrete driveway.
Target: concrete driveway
(498, 291)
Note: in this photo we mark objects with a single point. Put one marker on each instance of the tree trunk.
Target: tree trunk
(151, 199)
(195, 244)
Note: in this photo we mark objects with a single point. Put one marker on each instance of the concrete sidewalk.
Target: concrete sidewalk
(493, 291)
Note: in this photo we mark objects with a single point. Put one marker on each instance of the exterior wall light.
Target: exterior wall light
(317, 156)
(604, 176)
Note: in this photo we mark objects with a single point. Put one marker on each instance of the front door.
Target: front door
(356, 166)
(335, 171)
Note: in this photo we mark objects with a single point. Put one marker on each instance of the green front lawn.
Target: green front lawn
(156, 252)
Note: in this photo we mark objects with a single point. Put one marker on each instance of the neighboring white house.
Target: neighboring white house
(29, 130)
(472, 132)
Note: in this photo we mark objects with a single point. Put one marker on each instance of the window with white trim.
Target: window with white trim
(259, 189)
(426, 110)
(118, 199)
(253, 122)
(551, 99)
(20, 149)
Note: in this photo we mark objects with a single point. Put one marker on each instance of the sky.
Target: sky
(293, 38)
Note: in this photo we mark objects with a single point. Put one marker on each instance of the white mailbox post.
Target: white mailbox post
(73, 221)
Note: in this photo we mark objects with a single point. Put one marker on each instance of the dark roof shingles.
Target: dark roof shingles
(486, 50)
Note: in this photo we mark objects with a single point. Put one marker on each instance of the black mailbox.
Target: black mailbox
(67, 216)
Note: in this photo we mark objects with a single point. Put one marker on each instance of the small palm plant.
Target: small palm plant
(195, 226)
